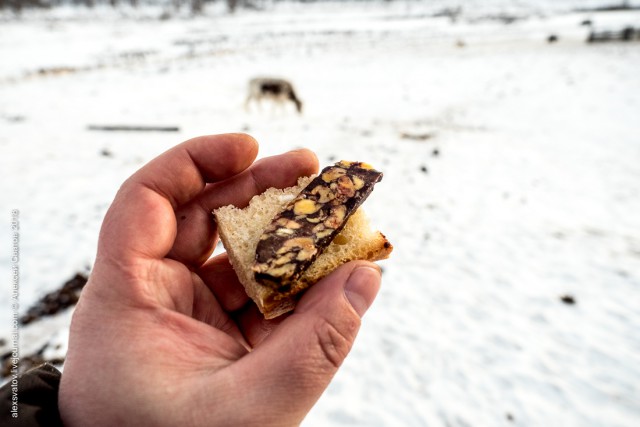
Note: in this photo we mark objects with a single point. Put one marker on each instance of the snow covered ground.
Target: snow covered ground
(511, 166)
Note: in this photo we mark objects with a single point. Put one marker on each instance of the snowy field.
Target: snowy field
(512, 179)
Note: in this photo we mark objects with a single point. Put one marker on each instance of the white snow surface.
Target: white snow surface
(534, 192)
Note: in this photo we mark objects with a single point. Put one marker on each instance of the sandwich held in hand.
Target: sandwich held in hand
(286, 240)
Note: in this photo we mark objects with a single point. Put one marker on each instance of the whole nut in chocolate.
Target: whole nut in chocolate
(310, 222)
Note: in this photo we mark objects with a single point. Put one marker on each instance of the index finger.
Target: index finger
(141, 219)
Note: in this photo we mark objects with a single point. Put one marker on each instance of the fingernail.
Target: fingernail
(362, 287)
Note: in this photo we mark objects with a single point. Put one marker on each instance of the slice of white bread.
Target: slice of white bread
(240, 230)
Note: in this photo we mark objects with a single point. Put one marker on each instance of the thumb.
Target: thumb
(295, 364)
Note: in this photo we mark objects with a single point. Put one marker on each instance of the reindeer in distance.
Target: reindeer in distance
(276, 90)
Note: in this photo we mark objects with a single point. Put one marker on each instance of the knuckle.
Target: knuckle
(335, 340)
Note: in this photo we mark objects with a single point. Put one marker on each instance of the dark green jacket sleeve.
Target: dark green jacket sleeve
(34, 403)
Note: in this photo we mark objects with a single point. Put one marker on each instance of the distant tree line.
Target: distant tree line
(196, 6)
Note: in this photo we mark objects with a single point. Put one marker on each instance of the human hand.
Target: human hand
(163, 337)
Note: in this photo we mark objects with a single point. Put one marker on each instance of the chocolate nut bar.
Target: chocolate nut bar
(310, 222)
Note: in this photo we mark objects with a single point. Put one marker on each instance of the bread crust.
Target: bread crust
(240, 230)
